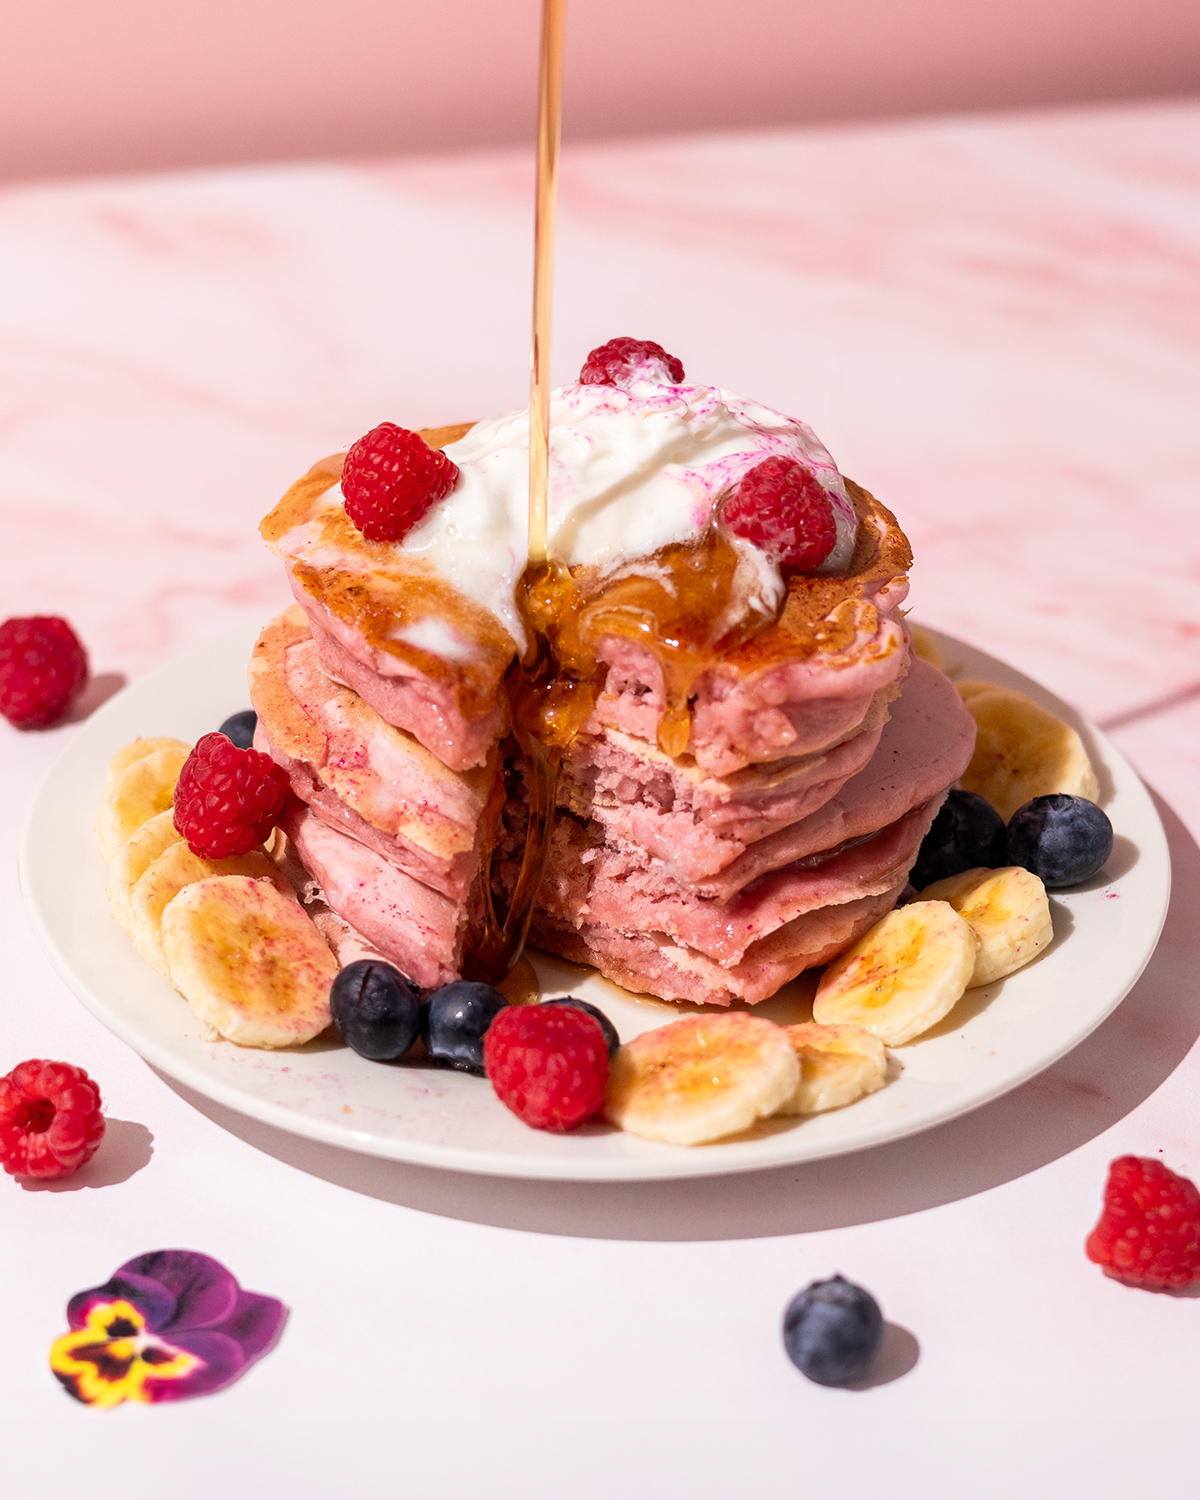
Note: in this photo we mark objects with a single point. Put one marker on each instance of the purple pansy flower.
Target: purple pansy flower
(166, 1326)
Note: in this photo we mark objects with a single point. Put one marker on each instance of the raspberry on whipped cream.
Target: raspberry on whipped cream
(631, 471)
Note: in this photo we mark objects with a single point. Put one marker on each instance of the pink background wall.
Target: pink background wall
(115, 84)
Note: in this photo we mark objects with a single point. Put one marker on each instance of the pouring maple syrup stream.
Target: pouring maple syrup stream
(684, 611)
(547, 703)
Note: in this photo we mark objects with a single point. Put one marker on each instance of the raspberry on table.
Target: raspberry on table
(43, 666)
(1149, 1232)
(50, 1120)
(390, 480)
(548, 1064)
(621, 361)
(782, 508)
(226, 799)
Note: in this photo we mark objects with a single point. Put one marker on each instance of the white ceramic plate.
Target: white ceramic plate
(995, 1039)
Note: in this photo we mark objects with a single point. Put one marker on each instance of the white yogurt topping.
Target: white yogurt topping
(630, 472)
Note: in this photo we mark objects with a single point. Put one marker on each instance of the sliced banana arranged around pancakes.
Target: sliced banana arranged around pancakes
(229, 934)
(1022, 751)
(232, 937)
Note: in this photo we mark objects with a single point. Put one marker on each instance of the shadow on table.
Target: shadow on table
(98, 691)
(126, 1148)
(1100, 1082)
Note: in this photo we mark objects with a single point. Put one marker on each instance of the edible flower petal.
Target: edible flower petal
(166, 1326)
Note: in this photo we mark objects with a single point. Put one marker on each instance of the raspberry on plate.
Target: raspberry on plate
(226, 799)
(50, 1120)
(1149, 1232)
(621, 361)
(391, 478)
(42, 668)
(782, 507)
(548, 1063)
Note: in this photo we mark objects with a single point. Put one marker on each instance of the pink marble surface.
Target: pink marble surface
(991, 323)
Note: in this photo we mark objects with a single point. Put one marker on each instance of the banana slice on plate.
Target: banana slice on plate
(838, 1064)
(902, 976)
(1022, 751)
(1008, 912)
(138, 792)
(138, 750)
(925, 646)
(701, 1078)
(175, 868)
(248, 961)
(133, 859)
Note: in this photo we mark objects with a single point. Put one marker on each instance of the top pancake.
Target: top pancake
(378, 604)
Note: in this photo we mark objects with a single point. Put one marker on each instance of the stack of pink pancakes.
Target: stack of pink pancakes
(818, 755)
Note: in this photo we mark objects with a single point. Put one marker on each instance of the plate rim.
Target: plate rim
(679, 1162)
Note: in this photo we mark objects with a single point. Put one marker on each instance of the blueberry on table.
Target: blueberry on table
(832, 1331)
(611, 1040)
(1060, 839)
(968, 833)
(375, 1009)
(455, 1019)
(240, 728)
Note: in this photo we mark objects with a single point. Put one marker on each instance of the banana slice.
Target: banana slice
(970, 687)
(137, 793)
(138, 750)
(925, 646)
(1021, 751)
(248, 961)
(133, 859)
(902, 976)
(167, 875)
(838, 1064)
(1008, 912)
(701, 1078)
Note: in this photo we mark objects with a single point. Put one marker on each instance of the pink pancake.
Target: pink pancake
(651, 964)
(418, 929)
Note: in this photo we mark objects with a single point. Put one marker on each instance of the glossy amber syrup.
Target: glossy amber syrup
(683, 609)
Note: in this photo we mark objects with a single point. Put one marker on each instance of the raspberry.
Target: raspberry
(782, 507)
(548, 1063)
(226, 799)
(621, 361)
(390, 479)
(42, 668)
(1149, 1232)
(50, 1120)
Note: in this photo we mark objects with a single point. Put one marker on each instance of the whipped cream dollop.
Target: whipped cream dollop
(631, 471)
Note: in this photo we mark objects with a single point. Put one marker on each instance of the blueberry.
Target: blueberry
(454, 1021)
(832, 1331)
(611, 1040)
(240, 728)
(375, 1009)
(967, 833)
(1061, 839)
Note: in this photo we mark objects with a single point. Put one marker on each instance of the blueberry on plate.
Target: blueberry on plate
(966, 834)
(832, 1331)
(1060, 839)
(375, 1009)
(611, 1040)
(454, 1021)
(240, 728)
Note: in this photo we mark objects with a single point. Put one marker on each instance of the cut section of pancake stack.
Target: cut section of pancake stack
(817, 756)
